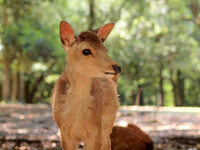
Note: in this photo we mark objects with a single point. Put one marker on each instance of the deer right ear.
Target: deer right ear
(66, 34)
(104, 31)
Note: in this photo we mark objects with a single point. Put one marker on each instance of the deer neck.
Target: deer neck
(79, 87)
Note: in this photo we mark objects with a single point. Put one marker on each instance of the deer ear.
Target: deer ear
(104, 31)
(66, 34)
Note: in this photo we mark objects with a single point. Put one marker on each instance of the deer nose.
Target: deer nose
(117, 68)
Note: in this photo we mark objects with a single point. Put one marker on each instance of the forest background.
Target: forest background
(156, 42)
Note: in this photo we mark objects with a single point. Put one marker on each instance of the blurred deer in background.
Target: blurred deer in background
(85, 99)
(130, 138)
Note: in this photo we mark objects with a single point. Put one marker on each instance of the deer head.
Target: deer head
(86, 53)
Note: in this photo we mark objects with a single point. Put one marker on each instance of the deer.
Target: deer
(130, 138)
(84, 98)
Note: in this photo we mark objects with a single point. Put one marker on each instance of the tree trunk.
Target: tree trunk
(139, 98)
(6, 88)
(134, 97)
(181, 87)
(161, 90)
(14, 85)
(21, 87)
(195, 12)
(178, 88)
(27, 91)
(0, 90)
(91, 15)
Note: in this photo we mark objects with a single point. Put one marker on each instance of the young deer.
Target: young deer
(85, 99)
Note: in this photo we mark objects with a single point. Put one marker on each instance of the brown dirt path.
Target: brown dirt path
(32, 126)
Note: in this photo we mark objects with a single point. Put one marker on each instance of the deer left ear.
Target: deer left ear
(104, 31)
(66, 34)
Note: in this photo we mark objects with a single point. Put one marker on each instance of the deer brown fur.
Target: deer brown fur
(130, 138)
(85, 99)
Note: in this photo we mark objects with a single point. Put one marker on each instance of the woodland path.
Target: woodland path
(32, 127)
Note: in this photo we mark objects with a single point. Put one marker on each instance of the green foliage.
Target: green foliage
(152, 41)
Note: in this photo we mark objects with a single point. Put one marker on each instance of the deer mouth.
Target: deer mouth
(111, 73)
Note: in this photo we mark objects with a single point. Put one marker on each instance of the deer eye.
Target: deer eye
(86, 52)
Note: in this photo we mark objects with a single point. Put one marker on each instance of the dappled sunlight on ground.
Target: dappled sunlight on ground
(35, 123)
(157, 120)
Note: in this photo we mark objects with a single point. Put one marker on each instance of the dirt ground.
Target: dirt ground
(31, 127)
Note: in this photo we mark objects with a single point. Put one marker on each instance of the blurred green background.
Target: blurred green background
(155, 41)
